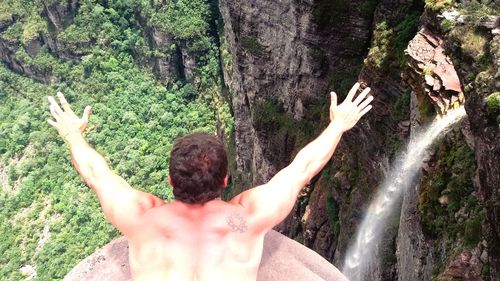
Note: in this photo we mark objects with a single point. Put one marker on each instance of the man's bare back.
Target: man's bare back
(180, 242)
(216, 240)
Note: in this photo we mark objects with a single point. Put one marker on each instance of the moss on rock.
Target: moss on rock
(446, 197)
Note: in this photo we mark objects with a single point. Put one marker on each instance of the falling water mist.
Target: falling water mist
(360, 255)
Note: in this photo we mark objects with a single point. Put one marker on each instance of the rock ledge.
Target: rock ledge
(282, 259)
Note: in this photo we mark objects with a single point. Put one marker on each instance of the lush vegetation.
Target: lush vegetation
(493, 102)
(389, 43)
(476, 53)
(49, 219)
(106, 57)
(451, 212)
(448, 204)
(437, 5)
(332, 211)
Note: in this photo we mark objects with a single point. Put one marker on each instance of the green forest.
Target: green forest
(49, 218)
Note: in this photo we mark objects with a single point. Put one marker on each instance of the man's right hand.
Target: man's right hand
(347, 114)
(271, 203)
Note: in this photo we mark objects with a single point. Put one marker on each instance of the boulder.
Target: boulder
(282, 259)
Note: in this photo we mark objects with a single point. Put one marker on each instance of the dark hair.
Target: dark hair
(198, 166)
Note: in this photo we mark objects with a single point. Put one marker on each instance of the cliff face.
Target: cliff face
(18, 46)
(61, 34)
(466, 244)
(479, 71)
(286, 57)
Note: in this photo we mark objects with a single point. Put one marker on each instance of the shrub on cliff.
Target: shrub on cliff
(437, 5)
(389, 43)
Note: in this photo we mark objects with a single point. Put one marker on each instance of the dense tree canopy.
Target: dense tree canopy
(49, 219)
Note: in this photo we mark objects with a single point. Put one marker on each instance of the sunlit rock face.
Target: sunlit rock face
(431, 73)
(282, 259)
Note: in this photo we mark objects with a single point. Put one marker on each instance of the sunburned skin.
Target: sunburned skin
(182, 242)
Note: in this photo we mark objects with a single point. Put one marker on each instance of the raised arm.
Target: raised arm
(269, 204)
(122, 205)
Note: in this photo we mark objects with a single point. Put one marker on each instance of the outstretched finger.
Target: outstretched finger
(352, 92)
(53, 123)
(333, 96)
(86, 114)
(361, 96)
(55, 106)
(365, 110)
(54, 113)
(64, 103)
(365, 102)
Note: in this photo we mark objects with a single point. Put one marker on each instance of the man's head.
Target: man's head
(198, 168)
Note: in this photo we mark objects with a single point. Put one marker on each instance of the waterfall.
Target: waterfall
(360, 255)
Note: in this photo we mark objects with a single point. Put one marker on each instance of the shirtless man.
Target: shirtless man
(198, 236)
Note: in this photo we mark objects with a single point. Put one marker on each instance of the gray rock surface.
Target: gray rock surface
(62, 13)
(415, 260)
(282, 259)
(286, 51)
(164, 66)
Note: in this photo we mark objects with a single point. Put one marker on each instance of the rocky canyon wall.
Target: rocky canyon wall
(286, 56)
(60, 35)
(474, 45)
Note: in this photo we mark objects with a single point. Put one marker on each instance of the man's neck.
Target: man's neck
(197, 206)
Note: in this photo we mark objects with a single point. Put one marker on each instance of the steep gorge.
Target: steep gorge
(280, 59)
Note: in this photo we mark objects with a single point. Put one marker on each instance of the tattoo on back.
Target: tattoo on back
(237, 222)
